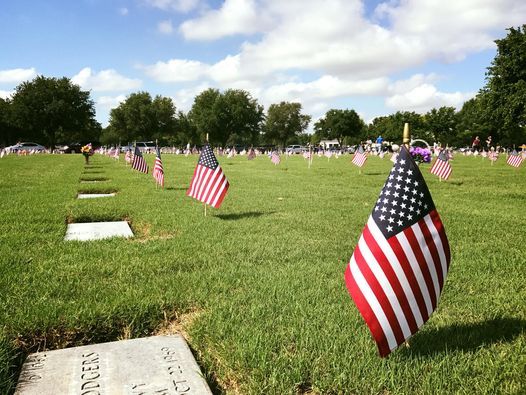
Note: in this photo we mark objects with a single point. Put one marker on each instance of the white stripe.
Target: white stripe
(375, 306)
(404, 243)
(438, 243)
(209, 184)
(195, 182)
(385, 285)
(205, 175)
(427, 256)
(397, 268)
(218, 189)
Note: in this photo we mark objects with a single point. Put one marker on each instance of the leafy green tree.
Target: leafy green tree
(141, 118)
(232, 117)
(285, 122)
(504, 94)
(53, 109)
(340, 124)
(186, 131)
(391, 127)
(7, 130)
(471, 122)
(441, 124)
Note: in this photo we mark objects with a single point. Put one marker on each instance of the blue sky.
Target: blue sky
(375, 57)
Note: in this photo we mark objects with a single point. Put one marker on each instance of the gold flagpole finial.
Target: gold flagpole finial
(407, 135)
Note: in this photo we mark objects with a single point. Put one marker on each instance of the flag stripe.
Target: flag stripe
(390, 258)
(439, 228)
(407, 247)
(385, 275)
(440, 257)
(373, 308)
(428, 258)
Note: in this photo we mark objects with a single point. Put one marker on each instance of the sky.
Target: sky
(376, 57)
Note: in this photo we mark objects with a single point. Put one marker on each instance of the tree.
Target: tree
(504, 94)
(391, 127)
(7, 130)
(54, 109)
(141, 118)
(285, 122)
(338, 124)
(232, 117)
(471, 121)
(441, 124)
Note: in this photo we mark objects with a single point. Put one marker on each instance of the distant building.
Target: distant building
(329, 144)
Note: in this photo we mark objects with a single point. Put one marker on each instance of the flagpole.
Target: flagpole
(206, 143)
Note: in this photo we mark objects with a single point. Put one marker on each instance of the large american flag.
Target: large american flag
(139, 163)
(441, 167)
(209, 184)
(514, 159)
(158, 171)
(359, 157)
(397, 271)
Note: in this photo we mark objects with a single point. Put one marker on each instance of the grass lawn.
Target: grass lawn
(257, 286)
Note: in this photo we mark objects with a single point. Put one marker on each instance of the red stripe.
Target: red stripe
(391, 277)
(428, 237)
(211, 184)
(222, 196)
(367, 313)
(216, 188)
(422, 264)
(380, 295)
(442, 233)
(191, 189)
(406, 267)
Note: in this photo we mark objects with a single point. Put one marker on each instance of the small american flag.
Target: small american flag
(493, 156)
(139, 163)
(441, 167)
(359, 157)
(307, 154)
(158, 171)
(117, 152)
(209, 184)
(397, 271)
(128, 156)
(251, 154)
(514, 159)
(381, 154)
(274, 158)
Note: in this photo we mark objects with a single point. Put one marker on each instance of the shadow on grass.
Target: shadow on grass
(176, 188)
(236, 216)
(466, 337)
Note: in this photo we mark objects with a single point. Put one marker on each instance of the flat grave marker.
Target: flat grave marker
(94, 195)
(98, 230)
(151, 365)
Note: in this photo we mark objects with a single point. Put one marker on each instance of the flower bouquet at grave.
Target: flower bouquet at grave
(420, 155)
(87, 151)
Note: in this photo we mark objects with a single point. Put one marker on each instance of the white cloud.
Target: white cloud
(15, 76)
(6, 94)
(165, 27)
(184, 98)
(109, 102)
(123, 11)
(176, 70)
(234, 17)
(174, 5)
(104, 81)
(424, 97)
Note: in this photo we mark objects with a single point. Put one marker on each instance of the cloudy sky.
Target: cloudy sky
(376, 57)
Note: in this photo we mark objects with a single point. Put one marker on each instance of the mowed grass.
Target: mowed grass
(257, 286)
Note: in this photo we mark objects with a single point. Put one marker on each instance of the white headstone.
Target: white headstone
(98, 230)
(94, 195)
(151, 365)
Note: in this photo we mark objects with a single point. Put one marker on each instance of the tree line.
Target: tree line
(54, 110)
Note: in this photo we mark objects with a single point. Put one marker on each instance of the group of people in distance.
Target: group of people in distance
(476, 145)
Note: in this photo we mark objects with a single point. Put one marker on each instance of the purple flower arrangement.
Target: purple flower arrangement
(420, 155)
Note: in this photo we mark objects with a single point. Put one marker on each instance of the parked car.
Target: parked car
(295, 149)
(146, 146)
(26, 147)
(74, 148)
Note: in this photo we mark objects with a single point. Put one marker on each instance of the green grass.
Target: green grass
(257, 286)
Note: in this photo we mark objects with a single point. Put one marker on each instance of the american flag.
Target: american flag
(128, 156)
(139, 163)
(251, 154)
(514, 159)
(117, 152)
(274, 158)
(397, 271)
(209, 184)
(493, 156)
(359, 157)
(441, 167)
(158, 171)
(307, 154)
(381, 154)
